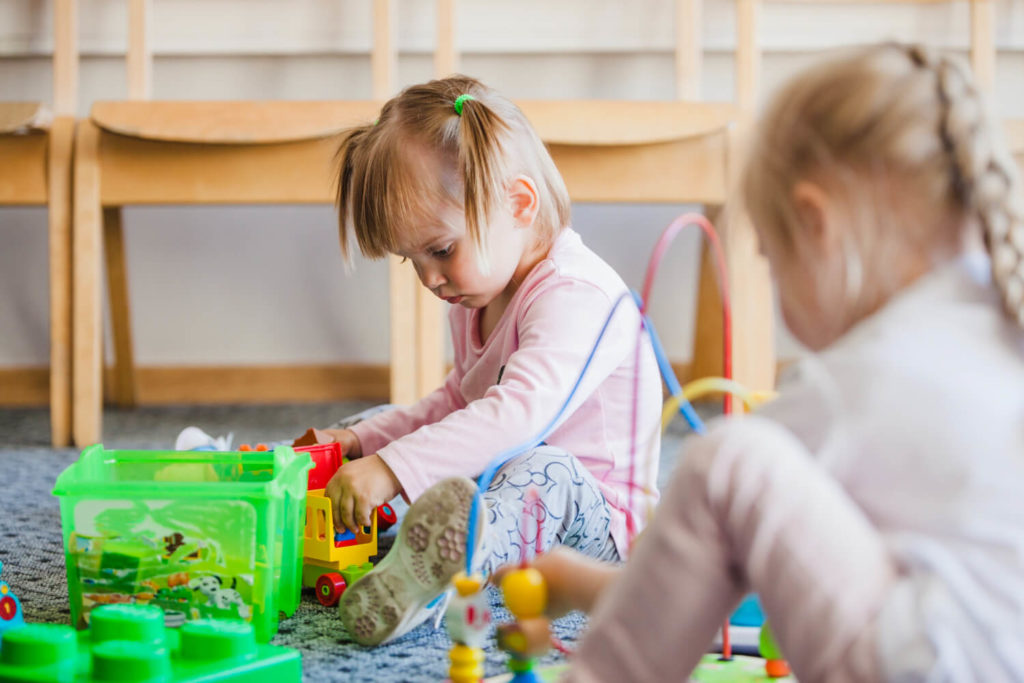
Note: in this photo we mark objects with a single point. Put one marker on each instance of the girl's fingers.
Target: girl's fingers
(500, 573)
(362, 512)
(347, 522)
(529, 637)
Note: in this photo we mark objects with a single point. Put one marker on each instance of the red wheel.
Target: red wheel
(386, 518)
(8, 608)
(329, 588)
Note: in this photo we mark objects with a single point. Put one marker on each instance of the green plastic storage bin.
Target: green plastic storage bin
(200, 534)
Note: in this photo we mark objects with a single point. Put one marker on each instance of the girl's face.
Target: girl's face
(445, 260)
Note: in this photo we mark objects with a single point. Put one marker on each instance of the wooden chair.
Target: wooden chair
(670, 152)
(164, 152)
(36, 171)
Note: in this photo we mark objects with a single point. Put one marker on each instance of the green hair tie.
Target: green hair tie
(459, 101)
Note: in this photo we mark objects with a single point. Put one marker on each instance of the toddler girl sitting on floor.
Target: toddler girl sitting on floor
(453, 178)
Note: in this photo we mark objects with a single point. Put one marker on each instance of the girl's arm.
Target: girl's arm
(391, 425)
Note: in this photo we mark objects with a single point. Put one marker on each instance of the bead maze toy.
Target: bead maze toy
(524, 590)
(130, 643)
(333, 561)
(10, 607)
(199, 534)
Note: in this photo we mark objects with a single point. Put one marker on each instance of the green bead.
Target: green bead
(520, 666)
(137, 623)
(39, 645)
(209, 639)
(122, 661)
(768, 647)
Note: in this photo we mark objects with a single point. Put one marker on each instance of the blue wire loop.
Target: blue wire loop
(685, 409)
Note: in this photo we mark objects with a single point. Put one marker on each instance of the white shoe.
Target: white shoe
(402, 591)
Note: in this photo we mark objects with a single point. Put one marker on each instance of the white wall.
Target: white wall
(255, 285)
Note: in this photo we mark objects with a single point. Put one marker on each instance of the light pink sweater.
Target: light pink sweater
(503, 391)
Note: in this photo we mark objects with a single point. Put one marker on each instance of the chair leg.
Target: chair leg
(120, 311)
(707, 336)
(430, 370)
(402, 298)
(753, 343)
(62, 135)
(87, 361)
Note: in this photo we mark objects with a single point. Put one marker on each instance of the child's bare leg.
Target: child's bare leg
(748, 508)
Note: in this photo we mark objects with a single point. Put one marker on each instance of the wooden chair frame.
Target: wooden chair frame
(147, 152)
(37, 172)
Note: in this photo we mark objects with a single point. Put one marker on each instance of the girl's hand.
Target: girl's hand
(350, 446)
(357, 488)
(525, 638)
(574, 581)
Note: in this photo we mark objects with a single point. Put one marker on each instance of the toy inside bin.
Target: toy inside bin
(198, 534)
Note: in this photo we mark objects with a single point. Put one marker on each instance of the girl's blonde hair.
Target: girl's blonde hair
(384, 189)
(904, 127)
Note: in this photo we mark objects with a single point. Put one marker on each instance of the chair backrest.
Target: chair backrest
(65, 57)
(21, 116)
(748, 51)
(632, 151)
(139, 56)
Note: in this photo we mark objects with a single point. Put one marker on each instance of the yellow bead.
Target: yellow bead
(526, 593)
(467, 664)
(467, 585)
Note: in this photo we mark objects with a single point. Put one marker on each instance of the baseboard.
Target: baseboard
(25, 387)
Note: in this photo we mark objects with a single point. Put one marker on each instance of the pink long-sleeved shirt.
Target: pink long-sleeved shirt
(504, 390)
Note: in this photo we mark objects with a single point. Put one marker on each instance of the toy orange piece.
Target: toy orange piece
(261, 447)
(776, 668)
(329, 588)
(245, 448)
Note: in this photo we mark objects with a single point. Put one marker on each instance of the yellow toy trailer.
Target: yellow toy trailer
(333, 561)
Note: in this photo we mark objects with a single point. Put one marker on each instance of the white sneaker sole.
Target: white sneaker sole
(430, 550)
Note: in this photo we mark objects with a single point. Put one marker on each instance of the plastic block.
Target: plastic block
(749, 612)
(129, 644)
(354, 572)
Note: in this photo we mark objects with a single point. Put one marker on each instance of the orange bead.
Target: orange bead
(776, 668)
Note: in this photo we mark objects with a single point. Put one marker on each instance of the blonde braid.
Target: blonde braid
(984, 174)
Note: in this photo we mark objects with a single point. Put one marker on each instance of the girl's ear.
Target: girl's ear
(817, 213)
(524, 200)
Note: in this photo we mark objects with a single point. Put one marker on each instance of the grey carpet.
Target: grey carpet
(32, 550)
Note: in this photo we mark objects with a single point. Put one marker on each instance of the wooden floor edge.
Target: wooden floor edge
(30, 386)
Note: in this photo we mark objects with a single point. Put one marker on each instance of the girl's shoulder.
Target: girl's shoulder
(572, 265)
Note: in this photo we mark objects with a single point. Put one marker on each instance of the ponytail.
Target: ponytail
(481, 164)
(983, 175)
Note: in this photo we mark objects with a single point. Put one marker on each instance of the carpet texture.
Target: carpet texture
(31, 545)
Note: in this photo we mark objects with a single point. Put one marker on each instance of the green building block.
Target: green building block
(354, 572)
(130, 644)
